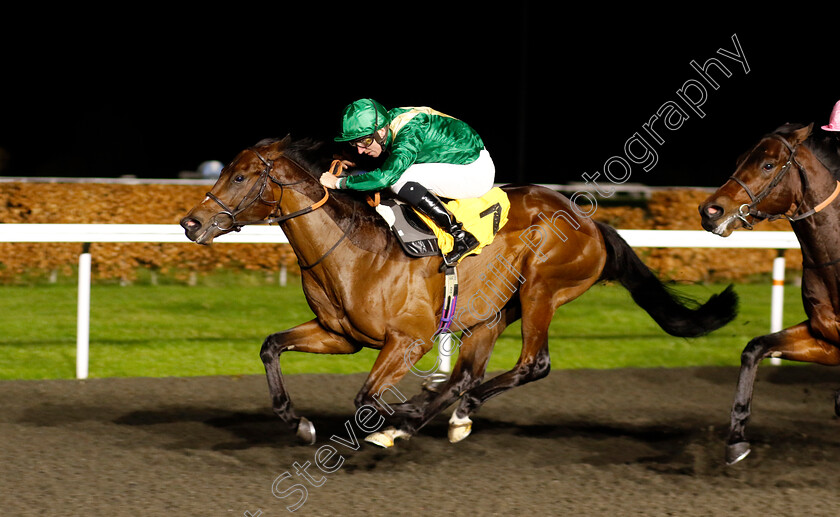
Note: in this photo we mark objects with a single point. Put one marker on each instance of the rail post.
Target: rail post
(83, 314)
(445, 352)
(777, 297)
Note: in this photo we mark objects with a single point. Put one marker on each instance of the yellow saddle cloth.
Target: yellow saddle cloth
(481, 216)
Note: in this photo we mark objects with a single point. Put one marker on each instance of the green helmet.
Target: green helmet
(361, 119)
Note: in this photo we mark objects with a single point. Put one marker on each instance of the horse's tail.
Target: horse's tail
(677, 314)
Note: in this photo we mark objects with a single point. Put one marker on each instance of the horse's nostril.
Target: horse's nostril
(713, 211)
(188, 223)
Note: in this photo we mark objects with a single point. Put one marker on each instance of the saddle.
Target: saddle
(413, 234)
(420, 237)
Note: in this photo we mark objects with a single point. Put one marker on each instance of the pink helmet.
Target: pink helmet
(834, 121)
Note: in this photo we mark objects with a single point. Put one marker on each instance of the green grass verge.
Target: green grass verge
(213, 329)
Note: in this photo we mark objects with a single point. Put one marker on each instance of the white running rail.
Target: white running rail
(90, 233)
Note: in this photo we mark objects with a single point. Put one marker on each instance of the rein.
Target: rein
(276, 217)
(750, 209)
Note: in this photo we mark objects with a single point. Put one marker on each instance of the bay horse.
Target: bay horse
(366, 292)
(793, 174)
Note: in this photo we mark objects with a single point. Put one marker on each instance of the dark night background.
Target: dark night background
(553, 94)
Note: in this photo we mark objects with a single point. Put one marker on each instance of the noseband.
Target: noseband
(750, 209)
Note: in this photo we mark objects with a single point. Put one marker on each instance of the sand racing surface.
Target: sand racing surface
(579, 442)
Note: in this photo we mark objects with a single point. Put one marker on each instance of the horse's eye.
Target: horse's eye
(239, 179)
(768, 166)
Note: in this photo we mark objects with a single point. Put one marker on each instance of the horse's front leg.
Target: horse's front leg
(795, 344)
(398, 355)
(309, 337)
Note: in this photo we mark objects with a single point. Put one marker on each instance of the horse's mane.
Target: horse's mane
(825, 148)
(307, 152)
(315, 157)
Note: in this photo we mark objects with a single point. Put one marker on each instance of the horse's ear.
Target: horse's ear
(278, 145)
(800, 135)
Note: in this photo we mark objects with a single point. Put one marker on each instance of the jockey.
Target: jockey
(833, 126)
(834, 119)
(428, 154)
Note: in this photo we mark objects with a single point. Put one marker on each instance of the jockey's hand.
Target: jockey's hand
(329, 180)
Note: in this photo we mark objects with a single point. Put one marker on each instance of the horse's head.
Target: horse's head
(762, 185)
(244, 194)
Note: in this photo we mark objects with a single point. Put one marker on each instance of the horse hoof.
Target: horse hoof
(736, 452)
(459, 428)
(380, 439)
(386, 437)
(306, 431)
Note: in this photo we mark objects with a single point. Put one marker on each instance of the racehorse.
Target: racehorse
(366, 292)
(792, 174)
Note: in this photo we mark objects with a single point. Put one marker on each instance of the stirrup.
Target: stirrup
(434, 382)
(469, 242)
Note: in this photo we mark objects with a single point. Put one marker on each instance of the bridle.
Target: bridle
(261, 184)
(275, 217)
(750, 208)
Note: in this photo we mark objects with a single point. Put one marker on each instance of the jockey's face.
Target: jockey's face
(373, 149)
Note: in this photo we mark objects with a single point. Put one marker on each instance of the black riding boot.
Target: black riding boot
(431, 206)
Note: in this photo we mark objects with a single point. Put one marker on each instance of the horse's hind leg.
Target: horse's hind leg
(308, 337)
(795, 344)
(467, 373)
(533, 364)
